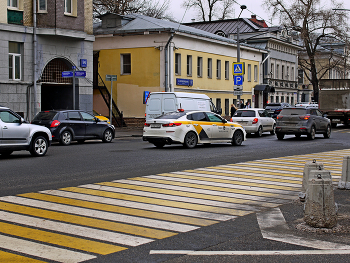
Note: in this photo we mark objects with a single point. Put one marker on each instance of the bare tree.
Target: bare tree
(155, 9)
(208, 10)
(314, 22)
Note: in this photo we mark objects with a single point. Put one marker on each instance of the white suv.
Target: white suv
(16, 135)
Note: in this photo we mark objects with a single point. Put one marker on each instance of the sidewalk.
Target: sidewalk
(128, 132)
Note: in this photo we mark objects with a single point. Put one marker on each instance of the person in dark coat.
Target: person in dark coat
(233, 110)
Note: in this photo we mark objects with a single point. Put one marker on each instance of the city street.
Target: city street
(150, 201)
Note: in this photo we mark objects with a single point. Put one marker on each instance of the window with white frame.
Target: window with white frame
(189, 65)
(15, 61)
(12, 3)
(199, 67)
(125, 64)
(282, 77)
(255, 73)
(42, 6)
(277, 69)
(287, 73)
(249, 72)
(227, 70)
(292, 74)
(218, 69)
(68, 6)
(210, 68)
(177, 64)
(272, 70)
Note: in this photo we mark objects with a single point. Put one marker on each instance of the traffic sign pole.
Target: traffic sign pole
(74, 87)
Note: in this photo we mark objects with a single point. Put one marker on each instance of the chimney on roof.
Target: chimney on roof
(253, 16)
(193, 19)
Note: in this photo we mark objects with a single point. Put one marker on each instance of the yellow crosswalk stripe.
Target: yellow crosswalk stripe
(58, 239)
(85, 221)
(9, 257)
(247, 166)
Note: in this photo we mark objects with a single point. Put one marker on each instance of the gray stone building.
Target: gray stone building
(40, 39)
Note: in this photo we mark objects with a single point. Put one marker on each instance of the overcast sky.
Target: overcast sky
(253, 7)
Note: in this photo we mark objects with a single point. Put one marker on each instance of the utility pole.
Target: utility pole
(239, 49)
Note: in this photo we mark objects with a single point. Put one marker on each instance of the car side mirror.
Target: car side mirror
(21, 120)
(224, 120)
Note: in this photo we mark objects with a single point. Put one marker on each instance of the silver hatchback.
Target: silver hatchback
(302, 120)
(16, 135)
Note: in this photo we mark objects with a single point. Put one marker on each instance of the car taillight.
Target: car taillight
(147, 124)
(55, 124)
(279, 117)
(180, 110)
(306, 117)
(171, 124)
(255, 121)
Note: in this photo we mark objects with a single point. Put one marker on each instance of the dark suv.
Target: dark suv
(275, 108)
(302, 120)
(74, 125)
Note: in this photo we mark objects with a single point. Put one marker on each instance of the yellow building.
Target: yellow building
(149, 54)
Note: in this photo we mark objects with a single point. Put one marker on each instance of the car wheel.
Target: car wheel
(38, 146)
(6, 153)
(273, 132)
(159, 144)
(237, 138)
(190, 140)
(297, 135)
(259, 132)
(107, 136)
(312, 133)
(280, 136)
(66, 138)
(327, 134)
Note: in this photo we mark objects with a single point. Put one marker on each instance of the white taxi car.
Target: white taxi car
(192, 127)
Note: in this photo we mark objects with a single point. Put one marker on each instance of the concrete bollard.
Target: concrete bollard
(320, 208)
(344, 182)
(310, 165)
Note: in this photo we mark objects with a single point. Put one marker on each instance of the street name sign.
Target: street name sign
(67, 74)
(111, 77)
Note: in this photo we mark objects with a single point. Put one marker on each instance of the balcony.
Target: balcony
(15, 17)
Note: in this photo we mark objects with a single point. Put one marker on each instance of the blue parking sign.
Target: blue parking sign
(238, 80)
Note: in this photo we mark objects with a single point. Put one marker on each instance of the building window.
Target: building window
(287, 74)
(300, 76)
(210, 68)
(218, 103)
(282, 77)
(177, 64)
(227, 70)
(277, 99)
(15, 61)
(249, 72)
(189, 65)
(282, 99)
(272, 70)
(218, 69)
(200, 67)
(287, 100)
(292, 74)
(68, 6)
(125, 64)
(271, 99)
(255, 73)
(227, 107)
(277, 69)
(12, 3)
(42, 6)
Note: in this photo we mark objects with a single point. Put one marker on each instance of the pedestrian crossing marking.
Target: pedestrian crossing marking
(9, 257)
(79, 223)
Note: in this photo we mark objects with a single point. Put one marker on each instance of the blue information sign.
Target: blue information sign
(83, 63)
(184, 82)
(80, 74)
(145, 96)
(238, 68)
(67, 74)
(238, 80)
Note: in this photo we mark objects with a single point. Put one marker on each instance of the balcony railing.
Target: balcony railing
(15, 17)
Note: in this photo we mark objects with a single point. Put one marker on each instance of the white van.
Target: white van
(159, 103)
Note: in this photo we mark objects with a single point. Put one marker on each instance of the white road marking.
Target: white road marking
(252, 253)
(100, 214)
(74, 229)
(274, 227)
(143, 206)
(42, 251)
(259, 169)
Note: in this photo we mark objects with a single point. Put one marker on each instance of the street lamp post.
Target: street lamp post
(239, 50)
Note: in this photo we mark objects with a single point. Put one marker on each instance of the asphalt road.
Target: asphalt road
(94, 161)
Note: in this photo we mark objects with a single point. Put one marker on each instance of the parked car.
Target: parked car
(302, 121)
(74, 125)
(192, 127)
(16, 135)
(307, 104)
(275, 108)
(101, 117)
(255, 121)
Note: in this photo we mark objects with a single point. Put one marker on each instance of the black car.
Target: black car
(275, 108)
(74, 125)
(302, 120)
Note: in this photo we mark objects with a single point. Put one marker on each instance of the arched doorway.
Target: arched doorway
(56, 91)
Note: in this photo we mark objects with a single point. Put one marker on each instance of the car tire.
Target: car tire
(66, 138)
(237, 138)
(259, 132)
(107, 136)
(190, 140)
(159, 144)
(327, 134)
(312, 133)
(273, 132)
(6, 153)
(38, 146)
(280, 136)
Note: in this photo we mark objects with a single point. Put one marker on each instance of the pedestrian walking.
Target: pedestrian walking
(242, 104)
(247, 105)
(233, 110)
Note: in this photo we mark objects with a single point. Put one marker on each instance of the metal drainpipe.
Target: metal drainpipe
(34, 56)
(166, 61)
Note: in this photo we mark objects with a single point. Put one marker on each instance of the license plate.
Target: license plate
(155, 125)
(336, 120)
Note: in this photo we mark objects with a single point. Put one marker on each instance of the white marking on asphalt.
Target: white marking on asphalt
(74, 229)
(250, 169)
(100, 214)
(143, 206)
(274, 227)
(42, 251)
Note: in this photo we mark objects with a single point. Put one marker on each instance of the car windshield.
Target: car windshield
(244, 113)
(293, 111)
(271, 106)
(45, 115)
(172, 115)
